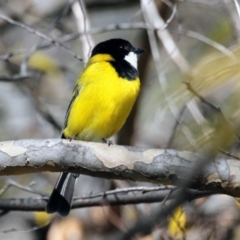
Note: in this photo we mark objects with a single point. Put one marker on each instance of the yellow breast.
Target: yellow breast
(103, 103)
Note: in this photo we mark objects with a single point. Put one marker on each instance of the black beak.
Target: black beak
(138, 50)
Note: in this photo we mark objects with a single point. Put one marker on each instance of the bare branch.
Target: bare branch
(11, 183)
(177, 122)
(39, 34)
(145, 225)
(169, 167)
(210, 104)
(164, 83)
(153, 18)
(236, 3)
(14, 78)
(205, 40)
(128, 26)
(146, 26)
(143, 190)
(24, 230)
(108, 198)
(83, 25)
(7, 56)
(23, 69)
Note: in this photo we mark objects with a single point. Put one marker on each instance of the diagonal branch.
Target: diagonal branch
(39, 34)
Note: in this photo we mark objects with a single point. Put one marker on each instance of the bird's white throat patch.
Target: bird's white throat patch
(132, 59)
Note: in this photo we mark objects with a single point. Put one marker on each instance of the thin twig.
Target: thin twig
(25, 230)
(229, 154)
(34, 48)
(210, 104)
(146, 225)
(40, 106)
(40, 34)
(237, 7)
(14, 78)
(205, 40)
(129, 26)
(143, 190)
(153, 18)
(11, 183)
(177, 123)
(39, 203)
(83, 25)
(7, 56)
(162, 79)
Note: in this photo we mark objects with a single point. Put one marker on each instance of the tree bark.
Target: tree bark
(169, 167)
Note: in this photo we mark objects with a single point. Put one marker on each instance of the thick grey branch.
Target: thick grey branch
(222, 175)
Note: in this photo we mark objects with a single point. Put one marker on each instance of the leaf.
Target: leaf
(177, 223)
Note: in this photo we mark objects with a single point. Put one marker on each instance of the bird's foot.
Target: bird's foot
(109, 142)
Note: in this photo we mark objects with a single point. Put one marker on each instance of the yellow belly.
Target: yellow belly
(103, 104)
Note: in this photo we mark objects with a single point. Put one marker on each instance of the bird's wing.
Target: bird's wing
(76, 91)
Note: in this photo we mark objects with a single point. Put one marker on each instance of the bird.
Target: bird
(102, 99)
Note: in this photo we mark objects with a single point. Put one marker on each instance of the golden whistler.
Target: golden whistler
(102, 99)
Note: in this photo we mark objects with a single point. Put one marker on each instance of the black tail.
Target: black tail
(61, 198)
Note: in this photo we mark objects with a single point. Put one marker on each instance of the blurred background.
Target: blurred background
(189, 100)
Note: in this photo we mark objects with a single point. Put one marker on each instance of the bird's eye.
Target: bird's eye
(127, 48)
(121, 47)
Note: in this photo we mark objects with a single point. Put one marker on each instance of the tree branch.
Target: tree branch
(119, 162)
(39, 204)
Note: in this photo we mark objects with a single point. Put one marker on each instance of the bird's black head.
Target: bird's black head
(118, 48)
